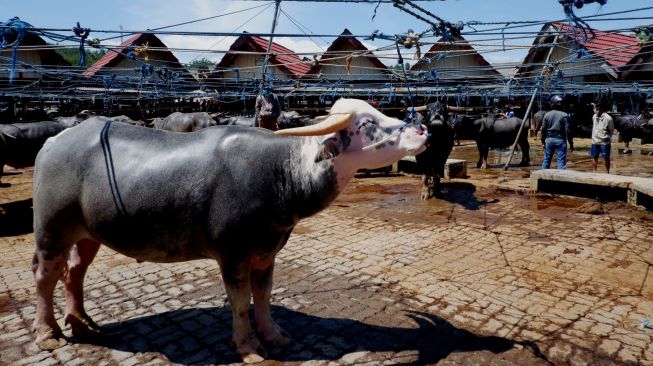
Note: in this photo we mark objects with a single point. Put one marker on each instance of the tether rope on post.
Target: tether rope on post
(277, 3)
(530, 104)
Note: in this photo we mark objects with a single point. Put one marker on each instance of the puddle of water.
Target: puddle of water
(541, 202)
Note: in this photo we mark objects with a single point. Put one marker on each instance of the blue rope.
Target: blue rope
(16, 27)
(82, 33)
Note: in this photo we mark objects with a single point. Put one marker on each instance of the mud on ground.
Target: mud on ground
(486, 274)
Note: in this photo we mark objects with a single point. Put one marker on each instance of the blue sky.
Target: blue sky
(319, 18)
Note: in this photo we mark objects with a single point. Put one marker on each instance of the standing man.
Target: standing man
(602, 129)
(555, 133)
(267, 110)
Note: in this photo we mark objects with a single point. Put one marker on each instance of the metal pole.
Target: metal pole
(530, 105)
(267, 53)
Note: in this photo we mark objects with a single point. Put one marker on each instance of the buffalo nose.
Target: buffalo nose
(420, 131)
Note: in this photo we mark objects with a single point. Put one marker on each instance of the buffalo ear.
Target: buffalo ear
(329, 150)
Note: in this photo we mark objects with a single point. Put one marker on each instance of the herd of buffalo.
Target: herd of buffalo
(20, 142)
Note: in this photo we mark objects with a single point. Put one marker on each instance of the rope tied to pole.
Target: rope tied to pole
(82, 33)
(14, 27)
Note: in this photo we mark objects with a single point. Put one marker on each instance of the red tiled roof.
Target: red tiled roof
(459, 44)
(617, 49)
(112, 57)
(282, 57)
(337, 46)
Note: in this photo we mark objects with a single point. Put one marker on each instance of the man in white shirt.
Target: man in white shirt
(602, 128)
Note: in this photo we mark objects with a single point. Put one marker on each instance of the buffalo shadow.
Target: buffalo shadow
(203, 336)
(461, 193)
(16, 218)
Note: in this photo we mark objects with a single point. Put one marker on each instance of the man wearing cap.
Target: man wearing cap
(602, 129)
(555, 133)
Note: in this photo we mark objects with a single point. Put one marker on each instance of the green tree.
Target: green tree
(72, 55)
(202, 63)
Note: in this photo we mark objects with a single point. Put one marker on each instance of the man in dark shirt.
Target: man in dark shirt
(267, 109)
(555, 133)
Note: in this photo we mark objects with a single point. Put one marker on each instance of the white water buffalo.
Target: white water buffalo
(169, 197)
(20, 142)
(185, 122)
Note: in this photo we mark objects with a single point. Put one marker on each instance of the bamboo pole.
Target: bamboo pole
(530, 105)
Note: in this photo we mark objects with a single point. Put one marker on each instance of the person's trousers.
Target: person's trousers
(559, 146)
(269, 123)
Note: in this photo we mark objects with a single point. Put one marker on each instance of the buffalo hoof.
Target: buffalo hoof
(49, 338)
(251, 351)
(82, 326)
(279, 340)
(426, 194)
(524, 163)
(628, 151)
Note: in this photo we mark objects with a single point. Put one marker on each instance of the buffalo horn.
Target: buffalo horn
(421, 109)
(455, 109)
(334, 122)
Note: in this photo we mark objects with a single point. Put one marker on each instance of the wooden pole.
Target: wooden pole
(530, 105)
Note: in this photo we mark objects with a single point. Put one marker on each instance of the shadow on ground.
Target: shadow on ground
(16, 218)
(201, 336)
(463, 194)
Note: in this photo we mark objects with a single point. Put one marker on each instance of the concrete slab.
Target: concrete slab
(609, 187)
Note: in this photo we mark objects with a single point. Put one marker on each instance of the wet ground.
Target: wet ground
(486, 274)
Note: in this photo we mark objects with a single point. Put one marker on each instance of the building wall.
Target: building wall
(31, 57)
(361, 68)
(581, 69)
(458, 67)
(251, 67)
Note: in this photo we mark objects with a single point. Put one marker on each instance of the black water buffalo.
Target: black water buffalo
(20, 142)
(536, 121)
(434, 158)
(490, 132)
(292, 119)
(185, 122)
(237, 121)
(227, 193)
(286, 120)
(630, 126)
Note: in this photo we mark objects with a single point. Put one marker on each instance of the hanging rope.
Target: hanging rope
(13, 28)
(574, 21)
(82, 33)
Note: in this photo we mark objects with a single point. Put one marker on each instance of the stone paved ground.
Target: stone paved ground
(480, 277)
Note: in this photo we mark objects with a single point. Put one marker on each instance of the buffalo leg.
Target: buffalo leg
(2, 169)
(480, 155)
(427, 186)
(525, 152)
(236, 276)
(627, 147)
(80, 257)
(47, 269)
(483, 153)
(261, 282)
